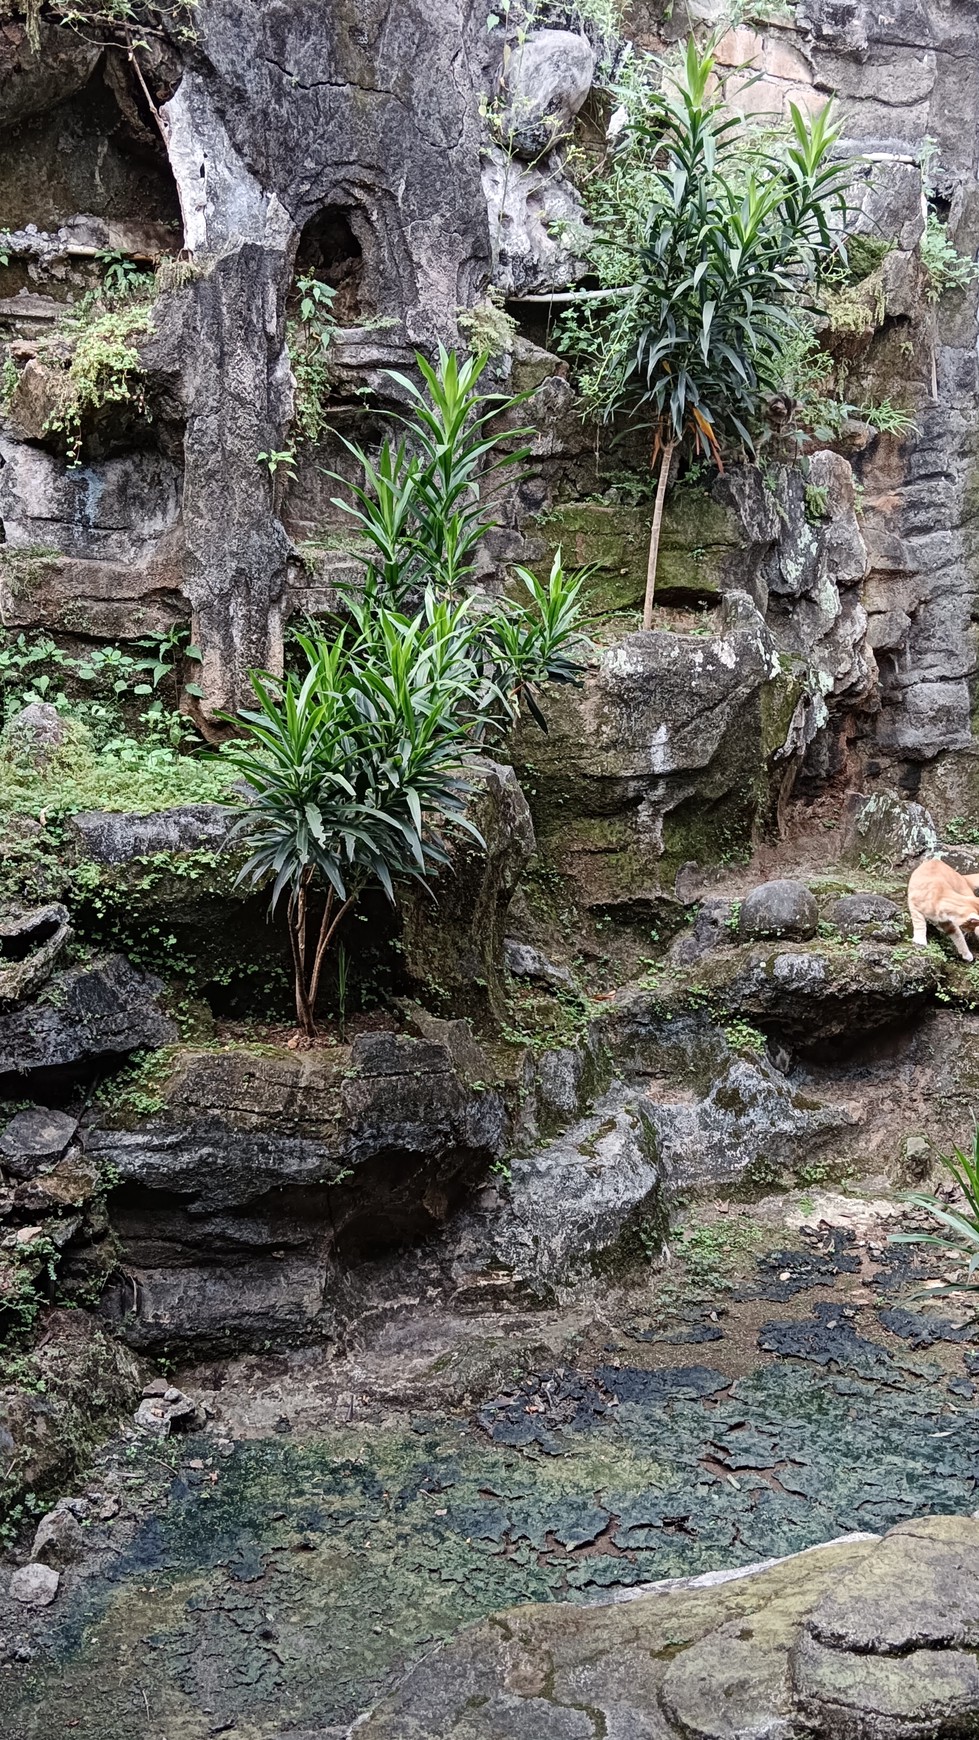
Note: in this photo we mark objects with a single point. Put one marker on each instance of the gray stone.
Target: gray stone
(569, 1203)
(868, 915)
(31, 941)
(710, 930)
(35, 1137)
(37, 732)
(173, 1411)
(273, 1165)
(59, 1538)
(801, 994)
(35, 1585)
(525, 962)
(31, 82)
(111, 837)
(779, 909)
(545, 81)
(534, 217)
(749, 1126)
(884, 829)
(454, 941)
(729, 1659)
(102, 1009)
(664, 727)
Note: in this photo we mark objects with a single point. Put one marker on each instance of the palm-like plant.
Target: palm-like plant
(352, 771)
(736, 232)
(420, 508)
(528, 644)
(356, 768)
(959, 1237)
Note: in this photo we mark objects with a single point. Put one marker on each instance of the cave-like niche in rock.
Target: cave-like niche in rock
(96, 154)
(330, 249)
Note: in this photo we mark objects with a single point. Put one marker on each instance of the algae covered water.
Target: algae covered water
(282, 1587)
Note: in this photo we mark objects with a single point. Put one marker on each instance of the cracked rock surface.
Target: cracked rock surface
(866, 1636)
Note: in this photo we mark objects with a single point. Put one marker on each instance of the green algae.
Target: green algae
(290, 1584)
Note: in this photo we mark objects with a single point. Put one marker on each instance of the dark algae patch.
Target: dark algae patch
(287, 1585)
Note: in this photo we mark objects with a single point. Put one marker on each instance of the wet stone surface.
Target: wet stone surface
(284, 1584)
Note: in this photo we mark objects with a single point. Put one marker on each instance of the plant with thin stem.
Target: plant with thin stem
(354, 769)
(420, 508)
(958, 1238)
(356, 766)
(343, 978)
(736, 231)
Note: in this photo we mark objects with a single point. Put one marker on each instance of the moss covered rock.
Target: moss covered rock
(866, 1636)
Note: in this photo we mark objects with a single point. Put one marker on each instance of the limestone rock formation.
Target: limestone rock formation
(869, 1636)
(667, 745)
(273, 1164)
(102, 1009)
(545, 82)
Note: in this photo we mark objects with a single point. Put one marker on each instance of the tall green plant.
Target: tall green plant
(356, 766)
(421, 508)
(736, 232)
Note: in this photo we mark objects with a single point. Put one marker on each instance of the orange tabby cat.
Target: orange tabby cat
(938, 895)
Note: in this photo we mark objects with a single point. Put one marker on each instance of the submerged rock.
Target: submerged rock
(866, 1636)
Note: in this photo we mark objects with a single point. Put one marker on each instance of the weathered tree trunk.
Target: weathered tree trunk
(654, 532)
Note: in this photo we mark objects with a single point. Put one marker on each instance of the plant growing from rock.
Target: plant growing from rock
(736, 232)
(958, 1236)
(420, 508)
(356, 766)
(309, 335)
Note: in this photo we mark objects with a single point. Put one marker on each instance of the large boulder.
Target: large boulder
(260, 1169)
(567, 1207)
(870, 1637)
(111, 837)
(546, 79)
(453, 936)
(884, 829)
(102, 1009)
(663, 756)
(779, 909)
(808, 995)
(715, 1110)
